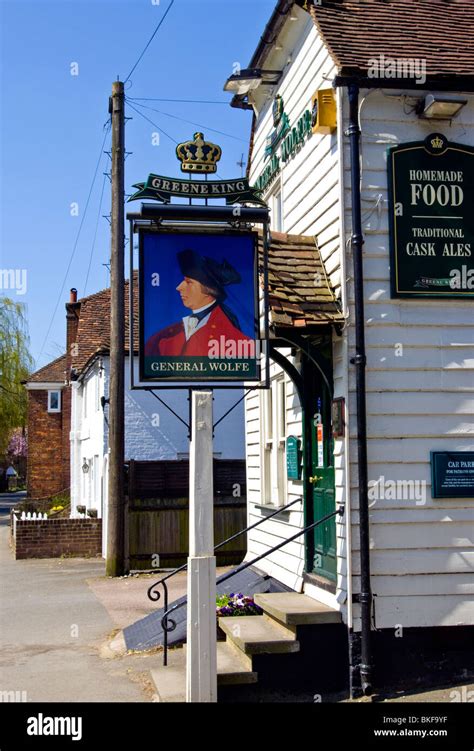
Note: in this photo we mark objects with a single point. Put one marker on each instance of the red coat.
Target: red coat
(172, 341)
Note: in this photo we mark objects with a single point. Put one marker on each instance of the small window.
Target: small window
(275, 203)
(274, 444)
(54, 401)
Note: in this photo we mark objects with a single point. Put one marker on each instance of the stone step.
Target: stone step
(170, 681)
(257, 634)
(294, 609)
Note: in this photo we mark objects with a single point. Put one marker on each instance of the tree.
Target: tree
(15, 366)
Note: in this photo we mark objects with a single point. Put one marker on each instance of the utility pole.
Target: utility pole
(115, 563)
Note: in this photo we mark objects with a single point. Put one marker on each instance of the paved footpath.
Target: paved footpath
(52, 626)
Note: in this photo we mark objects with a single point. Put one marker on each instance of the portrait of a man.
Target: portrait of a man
(209, 327)
(198, 305)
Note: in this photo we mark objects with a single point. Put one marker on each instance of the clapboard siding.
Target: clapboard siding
(402, 563)
(420, 383)
(310, 188)
(420, 368)
(417, 535)
(309, 179)
(423, 585)
(419, 611)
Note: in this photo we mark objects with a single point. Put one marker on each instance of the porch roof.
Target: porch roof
(299, 291)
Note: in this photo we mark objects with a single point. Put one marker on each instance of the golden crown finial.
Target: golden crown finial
(198, 155)
(437, 142)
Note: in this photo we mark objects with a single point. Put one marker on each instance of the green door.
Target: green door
(321, 558)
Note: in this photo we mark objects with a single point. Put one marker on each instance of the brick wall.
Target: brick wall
(53, 538)
(45, 474)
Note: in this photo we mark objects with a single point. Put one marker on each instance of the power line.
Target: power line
(180, 101)
(95, 233)
(151, 121)
(156, 126)
(150, 40)
(77, 239)
(191, 122)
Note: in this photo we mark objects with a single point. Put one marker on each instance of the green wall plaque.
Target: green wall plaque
(431, 199)
(452, 474)
(293, 458)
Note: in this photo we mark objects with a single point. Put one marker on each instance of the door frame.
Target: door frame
(312, 362)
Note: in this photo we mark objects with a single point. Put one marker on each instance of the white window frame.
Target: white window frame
(50, 393)
(97, 392)
(276, 193)
(84, 400)
(274, 480)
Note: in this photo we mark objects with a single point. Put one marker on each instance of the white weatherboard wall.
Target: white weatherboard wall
(420, 384)
(311, 205)
(87, 441)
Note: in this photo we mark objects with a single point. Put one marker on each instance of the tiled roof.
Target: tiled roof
(53, 372)
(93, 334)
(299, 291)
(436, 31)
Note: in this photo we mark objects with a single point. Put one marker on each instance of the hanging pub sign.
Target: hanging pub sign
(431, 200)
(198, 299)
(197, 157)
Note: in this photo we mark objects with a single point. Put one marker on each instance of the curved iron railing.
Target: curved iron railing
(154, 594)
(168, 624)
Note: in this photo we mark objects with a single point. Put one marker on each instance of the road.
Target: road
(52, 626)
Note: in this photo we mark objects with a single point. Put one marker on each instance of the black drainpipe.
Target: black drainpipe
(357, 241)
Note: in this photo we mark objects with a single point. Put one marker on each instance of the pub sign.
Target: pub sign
(431, 206)
(198, 305)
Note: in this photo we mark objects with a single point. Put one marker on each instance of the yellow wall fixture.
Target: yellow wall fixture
(323, 111)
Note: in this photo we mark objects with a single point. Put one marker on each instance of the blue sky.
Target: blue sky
(52, 125)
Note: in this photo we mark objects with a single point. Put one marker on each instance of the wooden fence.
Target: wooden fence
(158, 504)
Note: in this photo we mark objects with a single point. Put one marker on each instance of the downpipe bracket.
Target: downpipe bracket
(358, 360)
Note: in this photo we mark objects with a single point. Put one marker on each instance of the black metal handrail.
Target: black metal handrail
(168, 624)
(155, 595)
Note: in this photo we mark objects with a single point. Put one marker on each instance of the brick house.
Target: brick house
(48, 428)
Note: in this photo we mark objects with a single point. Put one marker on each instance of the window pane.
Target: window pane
(53, 405)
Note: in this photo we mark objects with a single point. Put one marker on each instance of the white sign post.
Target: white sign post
(201, 668)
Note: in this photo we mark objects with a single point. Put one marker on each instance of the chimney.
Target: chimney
(73, 309)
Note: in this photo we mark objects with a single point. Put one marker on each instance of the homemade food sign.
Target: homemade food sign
(431, 199)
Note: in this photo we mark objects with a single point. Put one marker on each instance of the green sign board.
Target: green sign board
(452, 474)
(161, 188)
(290, 138)
(293, 458)
(431, 205)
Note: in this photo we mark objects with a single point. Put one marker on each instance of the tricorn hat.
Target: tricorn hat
(208, 271)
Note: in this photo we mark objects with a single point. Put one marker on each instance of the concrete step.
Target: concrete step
(170, 681)
(293, 609)
(257, 634)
